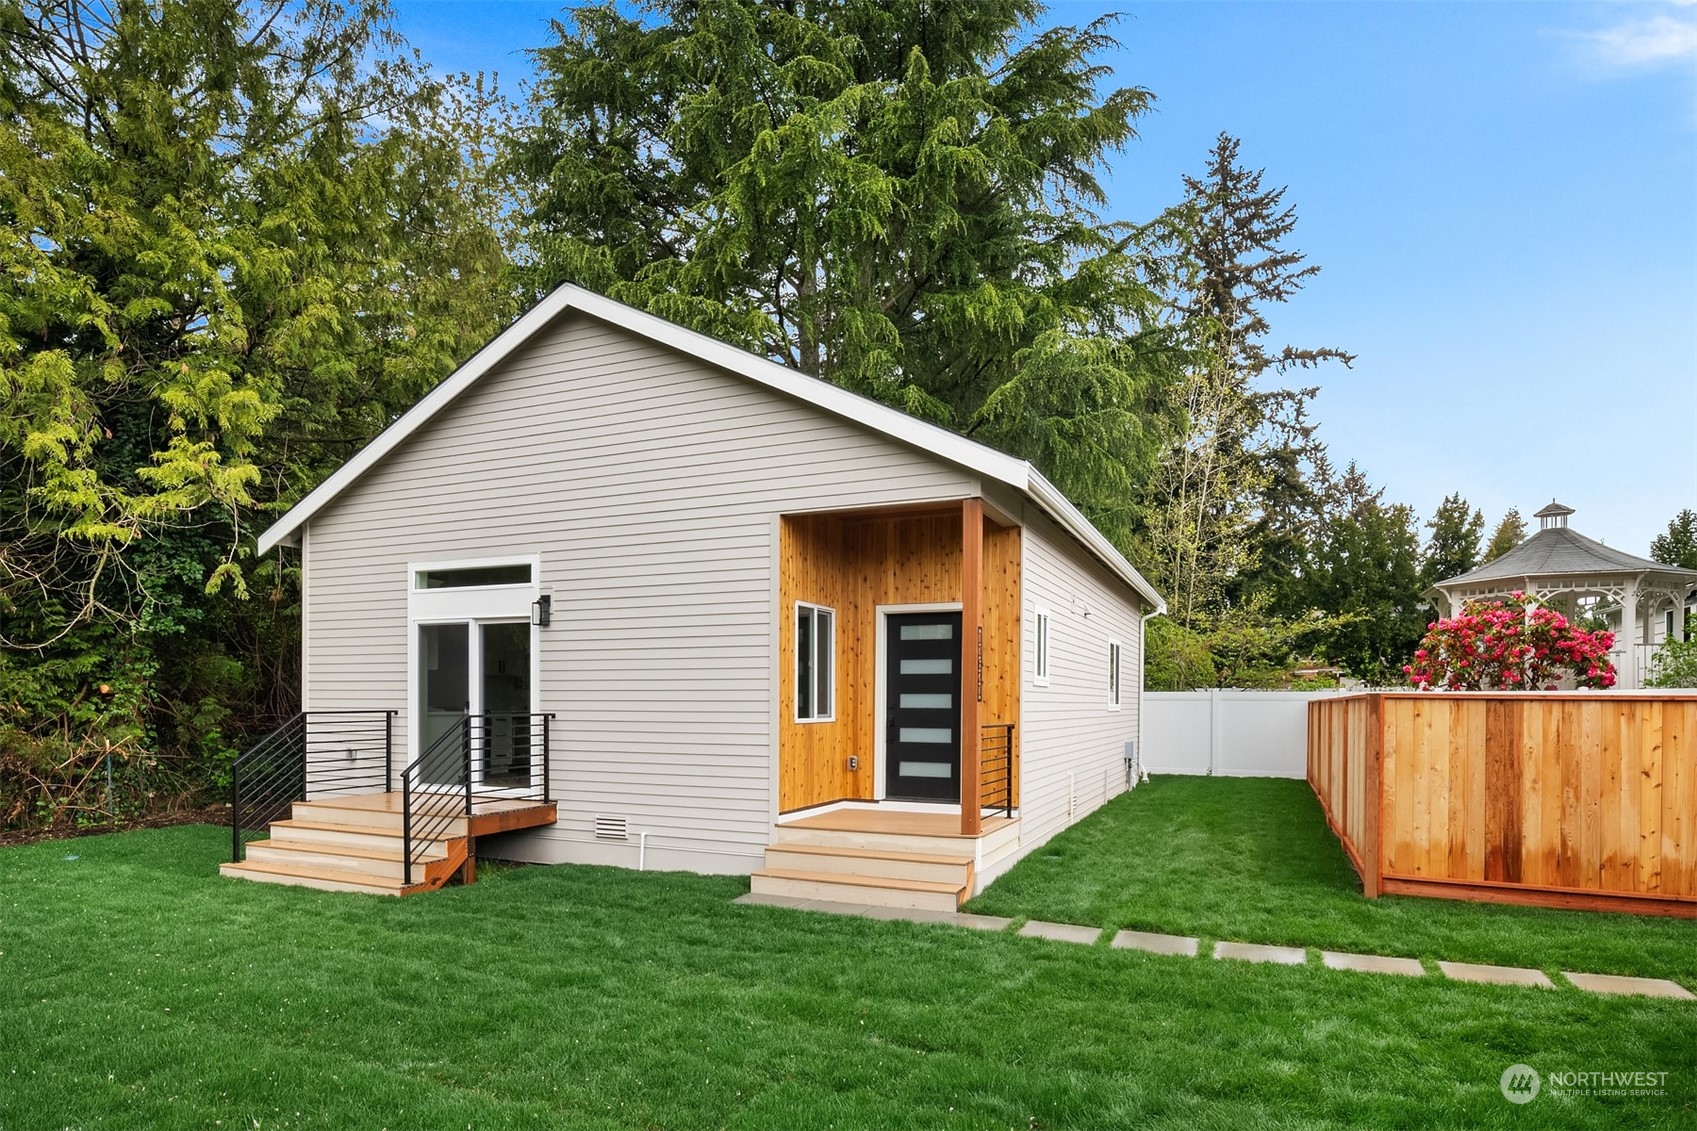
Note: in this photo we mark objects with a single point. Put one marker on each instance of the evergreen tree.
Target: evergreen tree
(1678, 545)
(1232, 497)
(237, 240)
(1453, 548)
(1510, 532)
(895, 196)
(1368, 569)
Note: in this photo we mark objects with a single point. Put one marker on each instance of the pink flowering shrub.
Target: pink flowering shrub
(1510, 645)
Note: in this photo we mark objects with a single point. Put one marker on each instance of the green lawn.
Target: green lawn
(1251, 859)
(138, 990)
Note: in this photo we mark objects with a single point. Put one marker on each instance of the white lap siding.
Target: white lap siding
(1072, 746)
(650, 484)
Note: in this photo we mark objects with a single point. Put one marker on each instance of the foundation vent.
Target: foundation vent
(612, 828)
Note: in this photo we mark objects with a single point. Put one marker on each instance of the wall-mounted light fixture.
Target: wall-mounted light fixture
(542, 611)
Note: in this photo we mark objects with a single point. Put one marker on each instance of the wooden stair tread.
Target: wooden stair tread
(368, 830)
(844, 879)
(433, 850)
(871, 854)
(333, 875)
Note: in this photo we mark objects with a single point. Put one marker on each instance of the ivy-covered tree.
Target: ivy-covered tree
(1231, 500)
(899, 197)
(236, 239)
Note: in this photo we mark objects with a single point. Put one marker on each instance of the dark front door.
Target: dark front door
(922, 706)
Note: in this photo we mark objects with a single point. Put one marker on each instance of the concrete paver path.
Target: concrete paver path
(1185, 946)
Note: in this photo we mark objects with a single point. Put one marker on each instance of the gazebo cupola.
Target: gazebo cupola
(1553, 516)
(1642, 601)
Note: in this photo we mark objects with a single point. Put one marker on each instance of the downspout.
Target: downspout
(1138, 772)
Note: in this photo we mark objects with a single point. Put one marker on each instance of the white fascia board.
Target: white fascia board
(1049, 497)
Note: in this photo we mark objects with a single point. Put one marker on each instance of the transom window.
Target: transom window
(467, 577)
(815, 663)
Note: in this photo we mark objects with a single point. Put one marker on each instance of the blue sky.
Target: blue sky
(1502, 198)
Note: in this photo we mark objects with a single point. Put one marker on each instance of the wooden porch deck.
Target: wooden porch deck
(356, 842)
(877, 856)
(896, 822)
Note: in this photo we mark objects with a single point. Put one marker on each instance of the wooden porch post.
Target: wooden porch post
(971, 659)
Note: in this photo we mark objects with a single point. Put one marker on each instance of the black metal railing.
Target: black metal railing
(313, 754)
(464, 759)
(995, 768)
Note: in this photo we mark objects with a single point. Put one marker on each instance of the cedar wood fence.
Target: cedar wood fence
(1584, 800)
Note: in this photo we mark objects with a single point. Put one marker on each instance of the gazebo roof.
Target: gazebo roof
(1564, 551)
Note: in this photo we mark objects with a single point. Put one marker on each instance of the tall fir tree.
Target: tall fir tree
(1678, 544)
(899, 197)
(1453, 548)
(1510, 532)
(1368, 571)
(1233, 496)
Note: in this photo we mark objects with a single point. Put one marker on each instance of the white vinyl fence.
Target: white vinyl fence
(1239, 734)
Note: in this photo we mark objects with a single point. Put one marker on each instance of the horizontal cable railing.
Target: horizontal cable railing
(488, 756)
(312, 754)
(995, 761)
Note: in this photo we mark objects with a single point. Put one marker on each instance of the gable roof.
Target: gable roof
(1562, 550)
(987, 462)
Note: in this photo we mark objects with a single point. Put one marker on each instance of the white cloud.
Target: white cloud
(1656, 39)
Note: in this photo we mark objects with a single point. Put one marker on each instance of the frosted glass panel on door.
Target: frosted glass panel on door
(928, 702)
(927, 667)
(926, 734)
(928, 632)
(926, 770)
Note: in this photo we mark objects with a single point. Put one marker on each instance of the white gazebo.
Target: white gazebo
(1642, 601)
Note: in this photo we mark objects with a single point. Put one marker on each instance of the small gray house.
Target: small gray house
(618, 593)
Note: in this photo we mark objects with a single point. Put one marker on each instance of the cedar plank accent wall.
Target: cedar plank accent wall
(1585, 801)
(853, 563)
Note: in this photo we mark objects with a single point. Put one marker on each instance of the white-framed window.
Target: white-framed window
(815, 663)
(1040, 658)
(1113, 675)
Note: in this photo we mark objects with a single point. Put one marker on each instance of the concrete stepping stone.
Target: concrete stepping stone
(1060, 932)
(1496, 975)
(979, 922)
(756, 899)
(831, 907)
(1255, 952)
(1372, 963)
(1155, 943)
(911, 915)
(1619, 984)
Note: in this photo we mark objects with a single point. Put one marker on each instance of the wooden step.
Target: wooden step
(874, 842)
(329, 833)
(870, 862)
(834, 887)
(384, 863)
(323, 879)
(429, 818)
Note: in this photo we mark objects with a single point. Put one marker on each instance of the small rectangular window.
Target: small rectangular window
(1040, 672)
(815, 666)
(472, 576)
(1113, 674)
